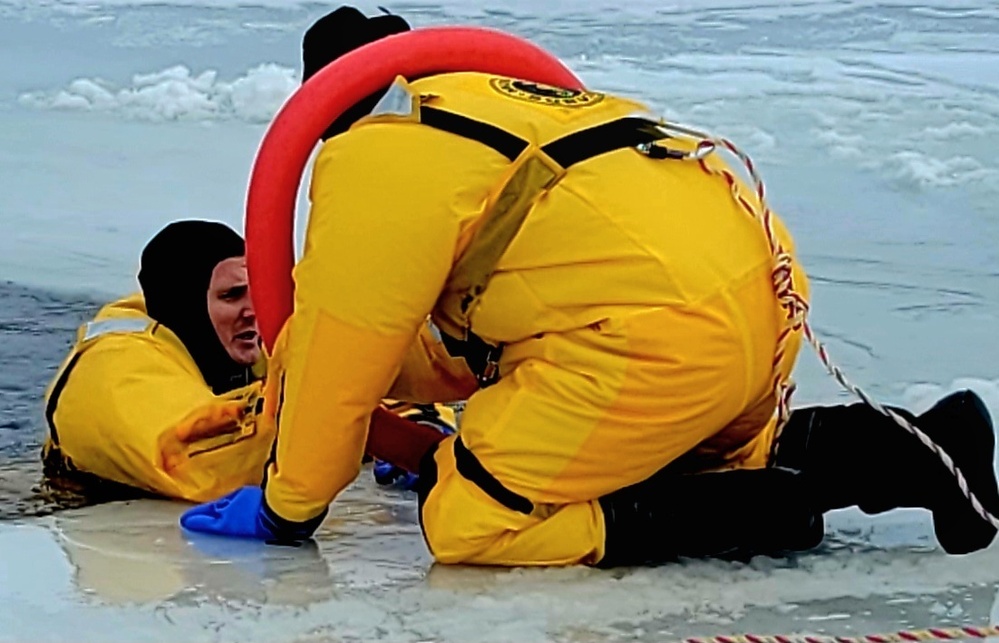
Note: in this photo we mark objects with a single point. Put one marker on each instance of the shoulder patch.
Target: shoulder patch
(397, 101)
(107, 326)
(540, 94)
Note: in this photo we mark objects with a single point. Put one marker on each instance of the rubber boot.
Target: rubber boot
(853, 455)
(730, 514)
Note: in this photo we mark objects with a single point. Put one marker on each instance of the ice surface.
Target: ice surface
(175, 94)
(124, 572)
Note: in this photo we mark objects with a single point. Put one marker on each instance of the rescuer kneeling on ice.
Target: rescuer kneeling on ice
(616, 305)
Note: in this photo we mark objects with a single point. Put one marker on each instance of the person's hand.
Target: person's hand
(239, 514)
(387, 474)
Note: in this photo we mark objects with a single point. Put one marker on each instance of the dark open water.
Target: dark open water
(36, 331)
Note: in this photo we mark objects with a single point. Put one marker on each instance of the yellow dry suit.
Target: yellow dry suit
(630, 292)
(129, 405)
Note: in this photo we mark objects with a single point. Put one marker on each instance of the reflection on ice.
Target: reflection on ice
(126, 572)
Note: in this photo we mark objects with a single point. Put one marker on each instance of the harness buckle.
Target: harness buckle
(659, 152)
(490, 371)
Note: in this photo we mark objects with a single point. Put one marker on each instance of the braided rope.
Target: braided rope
(905, 636)
(796, 308)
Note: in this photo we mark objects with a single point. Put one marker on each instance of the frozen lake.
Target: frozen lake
(874, 124)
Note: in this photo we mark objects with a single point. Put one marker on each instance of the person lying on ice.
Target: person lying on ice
(619, 312)
(161, 391)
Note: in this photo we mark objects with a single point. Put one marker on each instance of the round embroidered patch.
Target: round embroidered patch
(540, 94)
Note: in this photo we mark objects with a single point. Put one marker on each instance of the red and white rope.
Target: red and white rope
(905, 636)
(795, 306)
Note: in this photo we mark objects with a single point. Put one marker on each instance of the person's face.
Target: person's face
(231, 311)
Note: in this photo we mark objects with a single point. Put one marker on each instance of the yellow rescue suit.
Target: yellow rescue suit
(632, 296)
(130, 405)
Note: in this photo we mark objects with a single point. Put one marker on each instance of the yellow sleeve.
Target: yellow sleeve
(382, 233)
(429, 374)
(130, 412)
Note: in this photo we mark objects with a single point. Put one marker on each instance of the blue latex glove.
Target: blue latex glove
(386, 473)
(240, 514)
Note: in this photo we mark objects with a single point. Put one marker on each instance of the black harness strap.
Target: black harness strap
(507, 144)
(50, 408)
(600, 139)
(472, 470)
(567, 151)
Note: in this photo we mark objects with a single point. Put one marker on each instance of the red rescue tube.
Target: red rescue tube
(285, 149)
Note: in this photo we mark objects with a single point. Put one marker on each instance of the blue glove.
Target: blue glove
(386, 473)
(240, 514)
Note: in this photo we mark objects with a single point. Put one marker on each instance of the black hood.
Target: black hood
(340, 32)
(175, 273)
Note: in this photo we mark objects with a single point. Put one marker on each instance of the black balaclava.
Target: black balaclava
(176, 270)
(336, 34)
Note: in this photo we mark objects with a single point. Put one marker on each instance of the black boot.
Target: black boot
(853, 455)
(729, 514)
